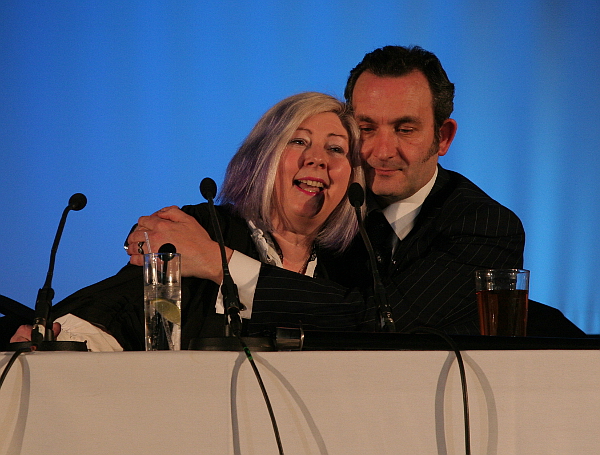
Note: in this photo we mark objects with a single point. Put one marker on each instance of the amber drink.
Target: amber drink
(502, 300)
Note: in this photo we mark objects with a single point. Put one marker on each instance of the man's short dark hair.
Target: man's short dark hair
(396, 61)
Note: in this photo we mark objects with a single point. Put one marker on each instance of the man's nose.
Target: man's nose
(384, 145)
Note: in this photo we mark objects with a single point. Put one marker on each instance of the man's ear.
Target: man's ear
(447, 133)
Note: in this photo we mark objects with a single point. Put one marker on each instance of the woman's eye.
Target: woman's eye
(337, 149)
(298, 141)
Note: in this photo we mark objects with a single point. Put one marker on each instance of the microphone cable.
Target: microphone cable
(463, 380)
(10, 363)
(264, 393)
(356, 197)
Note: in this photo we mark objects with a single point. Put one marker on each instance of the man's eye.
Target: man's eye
(405, 130)
(366, 129)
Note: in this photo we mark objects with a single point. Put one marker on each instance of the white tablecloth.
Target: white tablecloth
(365, 402)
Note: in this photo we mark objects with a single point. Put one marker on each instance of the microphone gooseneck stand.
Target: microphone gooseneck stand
(42, 336)
(356, 196)
(231, 301)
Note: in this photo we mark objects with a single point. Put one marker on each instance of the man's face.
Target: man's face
(399, 146)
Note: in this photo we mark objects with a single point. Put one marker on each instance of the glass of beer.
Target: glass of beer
(502, 300)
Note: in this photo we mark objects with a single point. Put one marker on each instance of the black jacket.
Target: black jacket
(430, 281)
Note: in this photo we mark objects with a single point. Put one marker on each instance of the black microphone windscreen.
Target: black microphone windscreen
(168, 248)
(77, 201)
(356, 195)
(208, 188)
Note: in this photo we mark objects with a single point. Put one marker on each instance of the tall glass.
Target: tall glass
(162, 301)
(502, 300)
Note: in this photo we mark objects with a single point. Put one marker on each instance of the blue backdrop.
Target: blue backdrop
(133, 102)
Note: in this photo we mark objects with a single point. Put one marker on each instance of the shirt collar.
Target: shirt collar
(401, 215)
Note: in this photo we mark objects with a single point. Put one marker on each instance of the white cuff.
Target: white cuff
(244, 271)
(77, 329)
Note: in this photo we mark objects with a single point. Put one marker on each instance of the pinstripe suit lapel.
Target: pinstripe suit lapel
(411, 247)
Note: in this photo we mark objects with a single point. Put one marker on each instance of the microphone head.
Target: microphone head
(208, 188)
(77, 201)
(167, 248)
(356, 195)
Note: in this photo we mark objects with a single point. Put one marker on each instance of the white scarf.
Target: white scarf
(268, 251)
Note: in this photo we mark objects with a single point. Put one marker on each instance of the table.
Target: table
(325, 402)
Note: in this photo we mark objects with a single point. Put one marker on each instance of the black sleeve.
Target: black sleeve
(114, 304)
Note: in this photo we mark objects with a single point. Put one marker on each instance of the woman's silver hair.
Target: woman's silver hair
(250, 177)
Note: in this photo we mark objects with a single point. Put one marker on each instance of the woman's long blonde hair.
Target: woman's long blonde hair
(250, 177)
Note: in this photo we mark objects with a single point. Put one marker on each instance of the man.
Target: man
(445, 226)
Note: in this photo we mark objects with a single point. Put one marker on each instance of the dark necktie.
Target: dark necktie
(382, 237)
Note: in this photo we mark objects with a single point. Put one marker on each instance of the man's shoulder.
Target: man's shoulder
(453, 187)
(454, 193)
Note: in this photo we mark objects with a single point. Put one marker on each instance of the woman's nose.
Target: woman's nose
(315, 156)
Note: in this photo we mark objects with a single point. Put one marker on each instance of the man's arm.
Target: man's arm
(431, 284)
(287, 299)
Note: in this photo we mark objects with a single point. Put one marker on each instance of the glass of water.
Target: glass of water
(162, 301)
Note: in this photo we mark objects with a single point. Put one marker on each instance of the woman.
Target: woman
(283, 203)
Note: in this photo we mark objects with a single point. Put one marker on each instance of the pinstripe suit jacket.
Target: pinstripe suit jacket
(430, 281)
(116, 303)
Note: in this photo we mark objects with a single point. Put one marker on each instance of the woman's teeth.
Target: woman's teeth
(312, 186)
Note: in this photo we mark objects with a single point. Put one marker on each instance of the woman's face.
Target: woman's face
(313, 173)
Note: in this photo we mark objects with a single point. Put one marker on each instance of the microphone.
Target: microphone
(231, 300)
(42, 326)
(208, 189)
(356, 196)
(77, 202)
(168, 248)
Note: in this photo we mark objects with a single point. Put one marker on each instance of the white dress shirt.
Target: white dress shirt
(402, 214)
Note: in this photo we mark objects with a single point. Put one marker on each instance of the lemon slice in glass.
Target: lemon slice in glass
(167, 310)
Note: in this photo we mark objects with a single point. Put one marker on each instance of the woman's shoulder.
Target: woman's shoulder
(234, 228)
(201, 212)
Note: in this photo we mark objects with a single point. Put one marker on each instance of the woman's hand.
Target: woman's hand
(200, 255)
